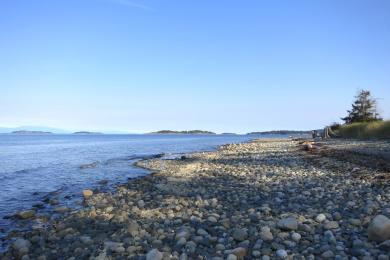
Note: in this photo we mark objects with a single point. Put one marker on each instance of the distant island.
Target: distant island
(190, 132)
(87, 133)
(26, 132)
(228, 134)
(280, 132)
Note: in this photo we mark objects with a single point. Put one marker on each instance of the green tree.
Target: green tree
(364, 109)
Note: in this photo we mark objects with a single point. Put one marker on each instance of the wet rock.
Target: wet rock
(87, 193)
(61, 210)
(26, 214)
(379, 229)
(21, 246)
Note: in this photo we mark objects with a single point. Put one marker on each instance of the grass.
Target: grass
(367, 130)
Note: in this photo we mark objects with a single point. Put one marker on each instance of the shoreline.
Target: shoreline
(50, 204)
(258, 199)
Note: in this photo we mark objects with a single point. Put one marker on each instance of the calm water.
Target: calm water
(33, 166)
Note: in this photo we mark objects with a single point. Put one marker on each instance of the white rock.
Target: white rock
(296, 236)
(320, 218)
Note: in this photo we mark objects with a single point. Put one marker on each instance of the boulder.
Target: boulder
(379, 229)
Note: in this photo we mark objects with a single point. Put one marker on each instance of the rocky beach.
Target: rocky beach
(266, 199)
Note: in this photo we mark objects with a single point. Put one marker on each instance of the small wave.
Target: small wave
(134, 157)
(7, 175)
(89, 165)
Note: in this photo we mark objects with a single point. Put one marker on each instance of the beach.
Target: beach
(265, 199)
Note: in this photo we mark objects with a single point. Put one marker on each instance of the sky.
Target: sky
(221, 65)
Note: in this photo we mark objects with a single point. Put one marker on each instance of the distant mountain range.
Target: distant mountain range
(4, 130)
(52, 130)
(24, 132)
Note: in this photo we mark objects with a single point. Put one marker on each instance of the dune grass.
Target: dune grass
(367, 130)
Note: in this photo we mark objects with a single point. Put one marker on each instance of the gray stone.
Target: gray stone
(379, 229)
(266, 234)
(154, 254)
(141, 203)
(240, 234)
(327, 254)
(281, 253)
(296, 236)
(288, 224)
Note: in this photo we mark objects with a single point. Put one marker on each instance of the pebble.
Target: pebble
(266, 234)
(320, 218)
(281, 253)
(240, 234)
(154, 254)
(296, 237)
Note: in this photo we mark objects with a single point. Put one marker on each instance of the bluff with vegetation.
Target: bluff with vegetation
(366, 130)
(363, 120)
(280, 132)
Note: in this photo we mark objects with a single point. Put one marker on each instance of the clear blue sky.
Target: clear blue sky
(233, 66)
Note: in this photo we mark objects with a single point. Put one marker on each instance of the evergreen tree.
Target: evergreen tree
(363, 109)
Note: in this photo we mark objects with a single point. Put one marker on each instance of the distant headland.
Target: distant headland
(190, 132)
(87, 133)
